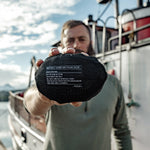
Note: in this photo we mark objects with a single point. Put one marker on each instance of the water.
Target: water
(5, 135)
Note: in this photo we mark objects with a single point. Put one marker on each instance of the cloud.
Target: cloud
(26, 24)
(5, 54)
(44, 27)
(22, 53)
(43, 36)
(33, 51)
(26, 29)
(44, 51)
(12, 73)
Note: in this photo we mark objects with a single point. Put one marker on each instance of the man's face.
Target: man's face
(77, 38)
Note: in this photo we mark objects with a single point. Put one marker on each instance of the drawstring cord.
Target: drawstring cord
(86, 107)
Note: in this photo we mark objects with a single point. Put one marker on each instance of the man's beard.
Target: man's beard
(77, 51)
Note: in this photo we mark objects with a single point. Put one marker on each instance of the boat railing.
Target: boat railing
(17, 106)
(94, 38)
(126, 34)
(104, 33)
(124, 40)
(122, 36)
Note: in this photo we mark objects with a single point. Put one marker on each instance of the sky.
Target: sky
(29, 27)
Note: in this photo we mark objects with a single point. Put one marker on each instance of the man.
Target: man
(87, 126)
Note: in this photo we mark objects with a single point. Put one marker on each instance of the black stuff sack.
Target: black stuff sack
(70, 77)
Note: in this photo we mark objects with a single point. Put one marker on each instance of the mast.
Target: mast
(139, 3)
(117, 11)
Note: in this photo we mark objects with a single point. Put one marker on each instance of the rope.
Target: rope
(104, 10)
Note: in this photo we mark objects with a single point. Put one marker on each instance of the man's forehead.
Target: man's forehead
(80, 28)
(71, 33)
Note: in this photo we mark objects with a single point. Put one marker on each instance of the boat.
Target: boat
(124, 51)
(27, 131)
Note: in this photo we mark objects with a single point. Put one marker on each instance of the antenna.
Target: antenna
(33, 65)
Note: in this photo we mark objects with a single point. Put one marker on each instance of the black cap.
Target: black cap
(70, 77)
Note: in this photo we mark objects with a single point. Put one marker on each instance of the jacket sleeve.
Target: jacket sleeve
(120, 123)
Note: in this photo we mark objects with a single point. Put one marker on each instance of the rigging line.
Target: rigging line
(104, 10)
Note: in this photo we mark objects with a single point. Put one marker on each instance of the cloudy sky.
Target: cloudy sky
(29, 28)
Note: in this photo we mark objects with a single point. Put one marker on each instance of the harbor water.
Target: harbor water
(5, 135)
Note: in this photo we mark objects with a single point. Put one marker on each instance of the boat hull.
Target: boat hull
(26, 135)
(131, 66)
